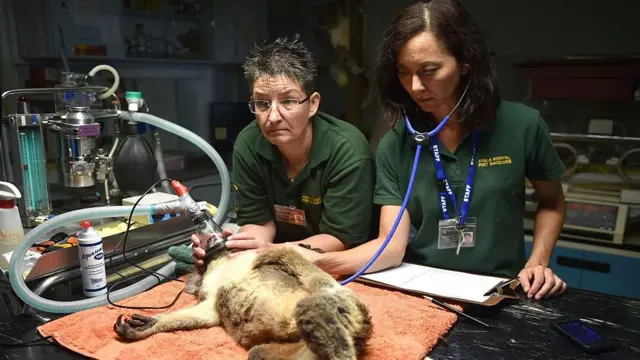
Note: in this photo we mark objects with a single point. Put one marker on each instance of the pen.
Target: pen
(441, 304)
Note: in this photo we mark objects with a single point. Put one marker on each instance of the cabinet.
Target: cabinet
(612, 274)
(571, 275)
(584, 267)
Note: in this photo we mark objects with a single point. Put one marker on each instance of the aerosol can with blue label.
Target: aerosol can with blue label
(94, 275)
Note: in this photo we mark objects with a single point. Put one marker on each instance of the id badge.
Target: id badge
(448, 234)
(452, 236)
(290, 215)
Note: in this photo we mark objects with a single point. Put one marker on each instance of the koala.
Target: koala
(275, 303)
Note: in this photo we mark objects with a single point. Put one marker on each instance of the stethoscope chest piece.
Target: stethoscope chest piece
(420, 139)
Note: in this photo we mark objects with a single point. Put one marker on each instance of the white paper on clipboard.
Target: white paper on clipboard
(437, 282)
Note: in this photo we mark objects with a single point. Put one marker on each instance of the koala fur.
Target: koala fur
(275, 303)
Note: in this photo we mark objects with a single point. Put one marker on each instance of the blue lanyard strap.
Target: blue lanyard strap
(444, 188)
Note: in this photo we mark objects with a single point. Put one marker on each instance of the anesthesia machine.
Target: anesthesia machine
(81, 164)
(76, 129)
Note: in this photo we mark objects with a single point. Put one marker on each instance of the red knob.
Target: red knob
(85, 224)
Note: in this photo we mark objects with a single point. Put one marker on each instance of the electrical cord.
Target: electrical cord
(123, 241)
(125, 236)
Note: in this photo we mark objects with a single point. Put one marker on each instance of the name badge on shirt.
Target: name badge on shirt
(452, 236)
(290, 214)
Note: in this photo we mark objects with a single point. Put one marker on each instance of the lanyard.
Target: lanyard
(441, 177)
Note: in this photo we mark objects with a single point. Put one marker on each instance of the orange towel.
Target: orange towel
(404, 327)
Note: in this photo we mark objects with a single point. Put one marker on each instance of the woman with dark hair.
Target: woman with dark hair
(433, 64)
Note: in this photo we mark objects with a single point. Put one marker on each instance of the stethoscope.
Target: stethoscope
(419, 138)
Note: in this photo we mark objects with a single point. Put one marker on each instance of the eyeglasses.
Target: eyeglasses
(263, 106)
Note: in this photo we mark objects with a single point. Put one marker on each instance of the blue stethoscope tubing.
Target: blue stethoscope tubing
(419, 138)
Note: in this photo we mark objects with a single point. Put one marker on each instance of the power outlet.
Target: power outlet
(601, 126)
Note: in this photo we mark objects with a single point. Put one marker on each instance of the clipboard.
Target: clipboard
(506, 289)
(445, 284)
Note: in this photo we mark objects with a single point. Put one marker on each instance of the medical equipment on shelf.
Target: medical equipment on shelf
(419, 138)
(77, 130)
(591, 215)
(40, 303)
(594, 220)
(79, 134)
(25, 166)
(74, 124)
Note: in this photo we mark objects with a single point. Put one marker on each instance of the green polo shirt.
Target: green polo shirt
(334, 189)
(516, 147)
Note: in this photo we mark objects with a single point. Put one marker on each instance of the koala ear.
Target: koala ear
(465, 69)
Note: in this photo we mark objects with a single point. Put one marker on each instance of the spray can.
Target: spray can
(11, 231)
(94, 275)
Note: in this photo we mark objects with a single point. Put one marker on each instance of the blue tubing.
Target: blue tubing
(414, 170)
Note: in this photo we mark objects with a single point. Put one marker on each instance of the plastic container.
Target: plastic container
(94, 275)
(11, 231)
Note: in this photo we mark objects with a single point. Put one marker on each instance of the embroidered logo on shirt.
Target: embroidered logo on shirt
(311, 200)
(493, 161)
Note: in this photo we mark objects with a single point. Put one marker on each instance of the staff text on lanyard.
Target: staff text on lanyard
(444, 188)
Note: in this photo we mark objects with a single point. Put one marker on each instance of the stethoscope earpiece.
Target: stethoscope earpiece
(421, 138)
